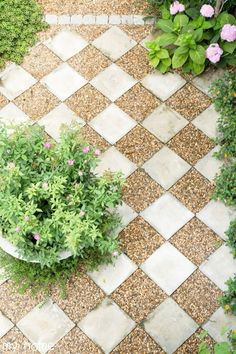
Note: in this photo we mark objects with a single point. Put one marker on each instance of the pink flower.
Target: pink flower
(47, 145)
(17, 229)
(82, 213)
(214, 52)
(71, 162)
(176, 7)
(207, 10)
(228, 33)
(45, 185)
(97, 152)
(37, 237)
(115, 254)
(86, 149)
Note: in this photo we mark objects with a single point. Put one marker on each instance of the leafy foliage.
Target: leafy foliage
(184, 40)
(51, 200)
(228, 300)
(225, 182)
(231, 238)
(219, 348)
(20, 21)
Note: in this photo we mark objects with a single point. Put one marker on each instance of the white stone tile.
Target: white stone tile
(114, 43)
(163, 86)
(66, 43)
(167, 215)
(166, 167)
(102, 19)
(207, 122)
(64, 20)
(76, 19)
(220, 266)
(115, 20)
(12, 115)
(209, 165)
(169, 325)
(14, 81)
(164, 123)
(217, 216)
(56, 118)
(89, 20)
(110, 276)
(126, 213)
(168, 268)
(204, 80)
(114, 161)
(107, 325)
(127, 19)
(220, 322)
(139, 20)
(63, 81)
(112, 123)
(51, 19)
(45, 325)
(113, 82)
(5, 325)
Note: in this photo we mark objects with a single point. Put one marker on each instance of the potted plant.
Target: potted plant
(53, 205)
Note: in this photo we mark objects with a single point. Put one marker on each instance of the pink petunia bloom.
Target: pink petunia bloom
(45, 185)
(207, 10)
(97, 152)
(82, 213)
(214, 52)
(228, 33)
(86, 149)
(71, 162)
(37, 237)
(176, 7)
(115, 254)
(17, 229)
(47, 145)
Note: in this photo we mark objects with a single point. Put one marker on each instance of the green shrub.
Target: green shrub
(219, 348)
(228, 300)
(225, 185)
(231, 237)
(20, 21)
(51, 200)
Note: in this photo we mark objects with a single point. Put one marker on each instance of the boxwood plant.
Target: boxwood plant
(51, 199)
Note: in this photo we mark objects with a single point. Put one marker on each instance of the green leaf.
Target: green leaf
(197, 34)
(208, 24)
(223, 19)
(198, 68)
(184, 39)
(198, 22)
(165, 13)
(166, 39)
(166, 61)
(192, 12)
(229, 47)
(198, 56)
(181, 20)
(163, 68)
(165, 25)
(155, 61)
(222, 348)
(179, 58)
(163, 54)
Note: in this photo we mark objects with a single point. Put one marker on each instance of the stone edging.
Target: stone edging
(97, 20)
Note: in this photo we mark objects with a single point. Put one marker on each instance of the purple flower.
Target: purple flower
(214, 52)
(176, 7)
(17, 229)
(37, 237)
(86, 149)
(47, 145)
(71, 162)
(207, 10)
(228, 33)
(97, 152)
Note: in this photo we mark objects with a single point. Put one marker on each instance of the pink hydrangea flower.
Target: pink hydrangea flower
(176, 7)
(47, 145)
(45, 185)
(228, 33)
(17, 229)
(207, 10)
(86, 149)
(97, 152)
(214, 52)
(71, 162)
(115, 254)
(82, 213)
(37, 237)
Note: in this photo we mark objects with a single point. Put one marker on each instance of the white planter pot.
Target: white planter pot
(12, 250)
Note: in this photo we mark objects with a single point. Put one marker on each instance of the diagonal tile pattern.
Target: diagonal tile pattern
(170, 274)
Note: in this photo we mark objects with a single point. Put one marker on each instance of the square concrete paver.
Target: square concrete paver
(169, 325)
(164, 123)
(217, 216)
(167, 215)
(45, 325)
(5, 325)
(110, 276)
(114, 43)
(204, 80)
(209, 165)
(166, 167)
(113, 82)
(219, 267)
(114, 161)
(207, 122)
(168, 268)
(66, 43)
(112, 123)
(15, 80)
(219, 325)
(54, 120)
(127, 214)
(107, 325)
(163, 86)
(11, 114)
(63, 81)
